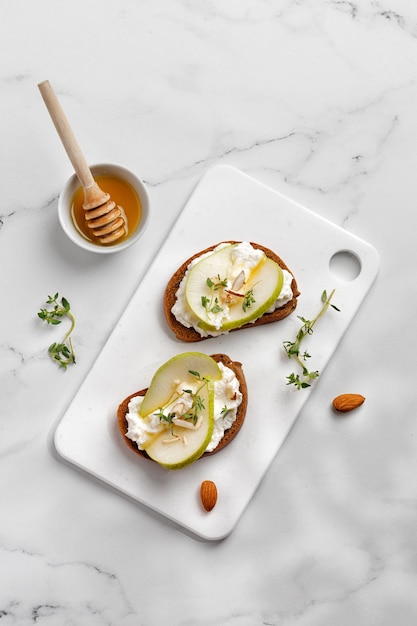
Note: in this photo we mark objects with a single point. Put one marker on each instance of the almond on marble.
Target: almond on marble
(347, 402)
(208, 494)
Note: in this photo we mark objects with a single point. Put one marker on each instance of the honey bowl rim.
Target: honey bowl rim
(67, 193)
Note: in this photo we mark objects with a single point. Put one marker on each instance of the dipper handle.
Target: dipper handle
(66, 134)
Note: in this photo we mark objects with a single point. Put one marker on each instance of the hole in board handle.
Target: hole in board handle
(345, 265)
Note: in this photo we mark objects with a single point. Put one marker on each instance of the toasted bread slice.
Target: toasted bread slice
(189, 334)
(229, 434)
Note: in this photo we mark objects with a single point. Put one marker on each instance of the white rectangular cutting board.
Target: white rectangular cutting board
(225, 205)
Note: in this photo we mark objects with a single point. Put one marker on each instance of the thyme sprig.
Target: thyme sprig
(214, 304)
(63, 352)
(216, 285)
(225, 411)
(211, 305)
(197, 404)
(248, 300)
(293, 348)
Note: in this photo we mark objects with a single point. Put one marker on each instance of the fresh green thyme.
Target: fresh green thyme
(63, 352)
(225, 411)
(213, 304)
(248, 300)
(197, 404)
(196, 375)
(195, 410)
(215, 286)
(293, 348)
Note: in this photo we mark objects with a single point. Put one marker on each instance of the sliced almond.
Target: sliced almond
(172, 439)
(187, 423)
(238, 294)
(178, 409)
(239, 281)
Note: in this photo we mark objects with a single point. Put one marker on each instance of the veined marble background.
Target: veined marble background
(315, 98)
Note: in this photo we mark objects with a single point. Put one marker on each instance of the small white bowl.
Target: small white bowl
(67, 194)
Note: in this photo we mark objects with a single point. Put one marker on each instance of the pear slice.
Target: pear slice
(264, 285)
(177, 447)
(170, 374)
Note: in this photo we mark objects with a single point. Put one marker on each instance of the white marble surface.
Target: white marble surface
(317, 99)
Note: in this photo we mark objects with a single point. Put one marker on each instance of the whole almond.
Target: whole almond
(208, 494)
(347, 402)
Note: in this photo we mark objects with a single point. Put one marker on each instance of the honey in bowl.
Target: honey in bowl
(122, 193)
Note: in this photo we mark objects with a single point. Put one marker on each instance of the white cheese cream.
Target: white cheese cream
(245, 257)
(227, 399)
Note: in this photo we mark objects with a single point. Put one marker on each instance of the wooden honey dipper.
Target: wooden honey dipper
(106, 221)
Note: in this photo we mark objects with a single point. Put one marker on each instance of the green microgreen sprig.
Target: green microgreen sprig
(216, 285)
(197, 404)
(293, 348)
(225, 411)
(63, 352)
(213, 304)
(248, 300)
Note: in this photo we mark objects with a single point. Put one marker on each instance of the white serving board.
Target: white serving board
(226, 204)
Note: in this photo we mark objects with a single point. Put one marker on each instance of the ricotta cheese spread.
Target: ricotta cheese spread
(245, 258)
(227, 399)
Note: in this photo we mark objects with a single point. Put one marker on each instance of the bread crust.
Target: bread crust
(189, 334)
(229, 434)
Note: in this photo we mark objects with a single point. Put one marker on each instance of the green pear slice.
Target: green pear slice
(264, 285)
(170, 374)
(177, 447)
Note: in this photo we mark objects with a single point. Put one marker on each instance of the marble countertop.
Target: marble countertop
(315, 99)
